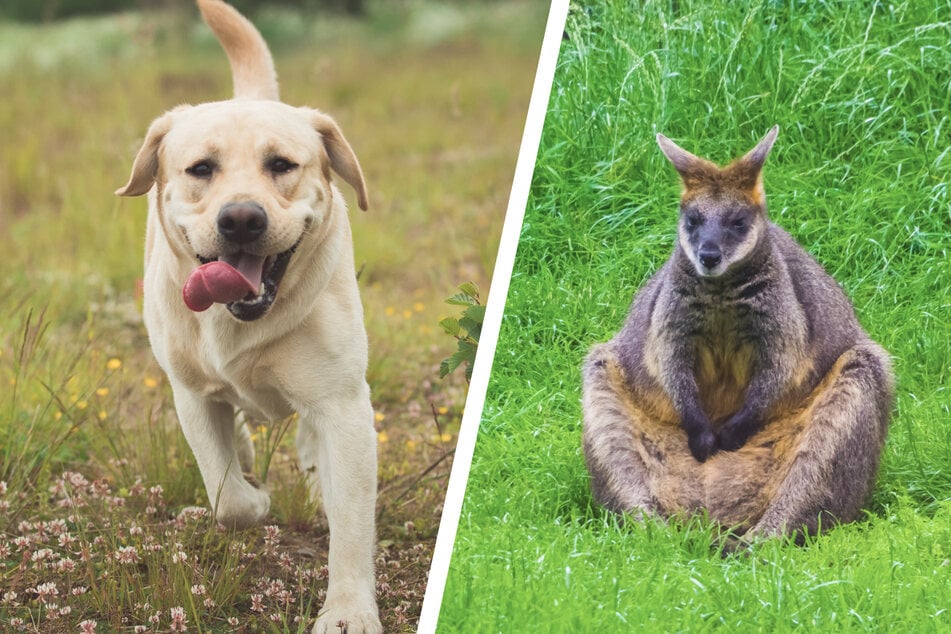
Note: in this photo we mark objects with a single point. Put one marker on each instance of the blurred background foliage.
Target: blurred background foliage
(49, 10)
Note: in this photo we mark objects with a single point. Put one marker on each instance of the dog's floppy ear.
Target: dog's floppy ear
(146, 162)
(342, 159)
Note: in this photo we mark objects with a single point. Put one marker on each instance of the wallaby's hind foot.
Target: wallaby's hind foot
(836, 459)
(618, 476)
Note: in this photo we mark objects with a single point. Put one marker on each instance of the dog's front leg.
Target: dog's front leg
(209, 429)
(337, 443)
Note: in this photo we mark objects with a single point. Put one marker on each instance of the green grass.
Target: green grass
(859, 176)
(437, 136)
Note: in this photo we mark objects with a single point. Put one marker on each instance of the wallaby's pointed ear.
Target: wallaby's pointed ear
(747, 170)
(681, 158)
(146, 163)
(757, 156)
(692, 168)
(342, 159)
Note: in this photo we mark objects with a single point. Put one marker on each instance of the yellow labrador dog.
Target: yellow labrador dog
(251, 301)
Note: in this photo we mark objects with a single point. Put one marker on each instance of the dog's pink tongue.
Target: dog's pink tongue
(220, 282)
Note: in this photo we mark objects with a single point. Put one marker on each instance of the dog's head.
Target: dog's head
(242, 183)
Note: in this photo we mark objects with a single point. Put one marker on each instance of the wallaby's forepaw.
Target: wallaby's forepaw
(702, 443)
(735, 432)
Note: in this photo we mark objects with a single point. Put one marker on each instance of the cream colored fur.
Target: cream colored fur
(308, 353)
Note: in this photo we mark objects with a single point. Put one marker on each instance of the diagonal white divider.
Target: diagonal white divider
(495, 307)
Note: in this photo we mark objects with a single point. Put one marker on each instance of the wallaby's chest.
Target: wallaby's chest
(724, 353)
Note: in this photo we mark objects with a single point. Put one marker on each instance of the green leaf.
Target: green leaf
(451, 326)
(461, 299)
(472, 327)
(466, 329)
(446, 367)
(470, 289)
(476, 314)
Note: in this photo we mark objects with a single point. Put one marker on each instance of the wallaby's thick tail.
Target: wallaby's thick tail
(252, 67)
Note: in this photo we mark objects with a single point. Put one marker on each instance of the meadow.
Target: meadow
(102, 520)
(859, 175)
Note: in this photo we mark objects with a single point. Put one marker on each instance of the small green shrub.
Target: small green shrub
(466, 330)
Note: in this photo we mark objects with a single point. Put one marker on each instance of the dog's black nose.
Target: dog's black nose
(242, 222)
(709, 255)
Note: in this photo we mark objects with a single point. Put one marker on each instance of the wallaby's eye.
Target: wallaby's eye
(201, 169)
(739, 224)
(692, 221)
(281, 165)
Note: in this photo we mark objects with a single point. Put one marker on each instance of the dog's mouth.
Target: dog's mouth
(246, 283)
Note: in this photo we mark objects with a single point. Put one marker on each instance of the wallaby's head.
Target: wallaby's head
(722, 210)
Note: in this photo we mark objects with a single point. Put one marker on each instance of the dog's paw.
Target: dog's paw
(341, 620)
(243, 507)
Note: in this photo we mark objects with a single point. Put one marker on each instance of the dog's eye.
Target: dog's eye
(201, 169)
(281, 166)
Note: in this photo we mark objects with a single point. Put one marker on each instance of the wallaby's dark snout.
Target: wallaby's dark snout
(709, 255)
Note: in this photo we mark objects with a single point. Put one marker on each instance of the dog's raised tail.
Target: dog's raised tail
(252, 67)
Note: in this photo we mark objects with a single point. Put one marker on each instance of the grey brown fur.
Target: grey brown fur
(741, 382)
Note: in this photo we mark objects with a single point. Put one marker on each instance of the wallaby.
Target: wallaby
(741, 382)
